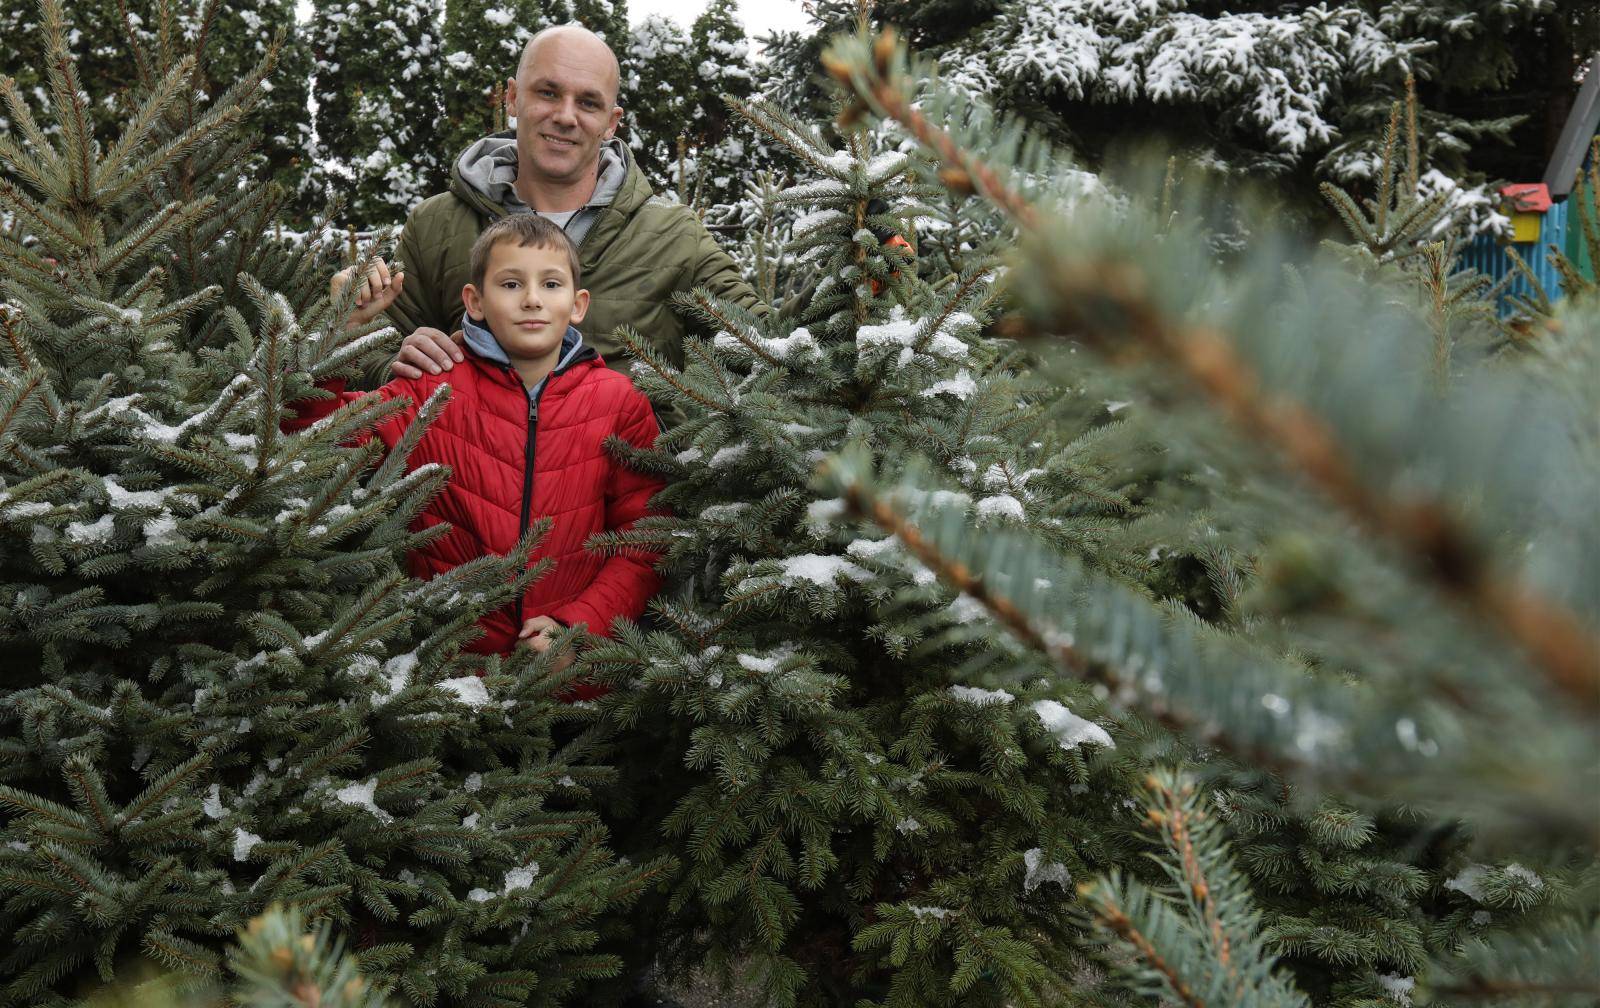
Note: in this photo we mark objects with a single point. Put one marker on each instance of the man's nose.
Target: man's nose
(567, 111)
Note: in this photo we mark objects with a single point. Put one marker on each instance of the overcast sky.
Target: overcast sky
(759, 16)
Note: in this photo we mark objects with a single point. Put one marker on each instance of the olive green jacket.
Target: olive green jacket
(637, 252)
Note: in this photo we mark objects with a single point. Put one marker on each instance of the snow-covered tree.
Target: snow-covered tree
(222, 690)
(658, 98)
(1293, 94)
(378, 78)
(856, 819)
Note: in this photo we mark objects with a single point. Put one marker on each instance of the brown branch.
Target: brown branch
(1068, 658)
(1120, 925)
(736, 331)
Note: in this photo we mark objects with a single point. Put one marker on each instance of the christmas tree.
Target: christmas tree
(1445, 646)
(228, 40)
(855, 820)
(224, 691)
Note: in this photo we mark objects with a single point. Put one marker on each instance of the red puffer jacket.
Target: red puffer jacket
(518, 455)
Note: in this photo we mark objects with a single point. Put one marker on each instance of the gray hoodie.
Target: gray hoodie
(490, 167)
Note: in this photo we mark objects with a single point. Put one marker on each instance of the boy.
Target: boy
(524, 435)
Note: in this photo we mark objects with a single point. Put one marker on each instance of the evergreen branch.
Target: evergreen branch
(875, 81)
(1008, 614)
(703, 301)
(1107, 302)
(643, 352)
(150, 112)
(1111, 913)
(22, 117)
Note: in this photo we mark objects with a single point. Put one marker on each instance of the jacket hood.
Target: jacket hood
(482, 342)
(486, 174)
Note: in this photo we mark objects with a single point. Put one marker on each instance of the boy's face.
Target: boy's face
(527, 300)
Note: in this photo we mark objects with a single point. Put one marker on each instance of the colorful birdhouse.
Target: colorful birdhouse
(1526, 203)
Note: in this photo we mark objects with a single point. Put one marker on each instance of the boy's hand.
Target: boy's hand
(538, 632)
(428, 350)
(378, 290)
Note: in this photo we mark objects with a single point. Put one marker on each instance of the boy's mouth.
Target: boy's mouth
(532, 324)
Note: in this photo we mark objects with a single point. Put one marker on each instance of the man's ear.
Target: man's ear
(616, 117)
(511, 96)
(580, 306)
(473, 302)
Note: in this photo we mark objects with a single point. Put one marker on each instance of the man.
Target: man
(564, 162)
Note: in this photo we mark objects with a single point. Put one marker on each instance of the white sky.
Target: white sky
(759, 16)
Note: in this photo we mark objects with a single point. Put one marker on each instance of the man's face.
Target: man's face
(564, 99)
(527, 300)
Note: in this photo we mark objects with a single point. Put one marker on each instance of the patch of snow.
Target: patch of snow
(467, 689)
(361, 796)
(980, 697)
(1070, 730)
(1001, 505)
(212, 805)
(1038, 871)
(243, 842)
(1397, 987)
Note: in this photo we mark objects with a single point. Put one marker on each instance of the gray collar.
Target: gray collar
(482, 342)
(490, 167)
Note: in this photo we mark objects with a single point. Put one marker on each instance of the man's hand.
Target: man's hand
(538, 633)
(378, 290)
(428, 350)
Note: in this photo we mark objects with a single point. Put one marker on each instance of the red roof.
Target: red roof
(1529, 197)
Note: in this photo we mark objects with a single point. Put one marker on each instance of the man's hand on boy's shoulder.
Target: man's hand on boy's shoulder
(428, 350)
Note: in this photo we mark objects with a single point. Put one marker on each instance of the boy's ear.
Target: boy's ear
(580, 306)
(472, 302)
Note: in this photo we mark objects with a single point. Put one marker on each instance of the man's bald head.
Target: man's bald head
(570, 42)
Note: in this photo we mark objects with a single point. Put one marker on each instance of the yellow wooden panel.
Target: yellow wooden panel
(1525, 226)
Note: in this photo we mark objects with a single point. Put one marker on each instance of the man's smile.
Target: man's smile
(558, 141)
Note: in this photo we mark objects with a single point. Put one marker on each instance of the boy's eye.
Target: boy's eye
(552, 284)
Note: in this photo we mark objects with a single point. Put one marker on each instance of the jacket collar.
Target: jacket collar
(481, 342)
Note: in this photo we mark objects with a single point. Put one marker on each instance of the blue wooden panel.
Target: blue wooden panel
(1488, 256)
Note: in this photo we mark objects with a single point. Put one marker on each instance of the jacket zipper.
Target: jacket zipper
(527, 476)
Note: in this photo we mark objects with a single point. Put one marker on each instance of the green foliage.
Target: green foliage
(856, 824)
(226, 691)
(1196, 940)
(379, 77)
(1366, 538)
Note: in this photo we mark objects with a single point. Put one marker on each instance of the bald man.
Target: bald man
(563, 161)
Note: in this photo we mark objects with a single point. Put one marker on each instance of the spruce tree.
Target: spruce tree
(658, 96)
(857, 821)
(223, 690)
(724, 148)
(378, 78)
(1363, 661)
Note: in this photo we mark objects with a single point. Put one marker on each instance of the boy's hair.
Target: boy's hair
(528, 230)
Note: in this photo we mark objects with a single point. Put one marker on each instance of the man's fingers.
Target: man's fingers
(417, 358)
(400, 369)
(380, 270)
(458, 339)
